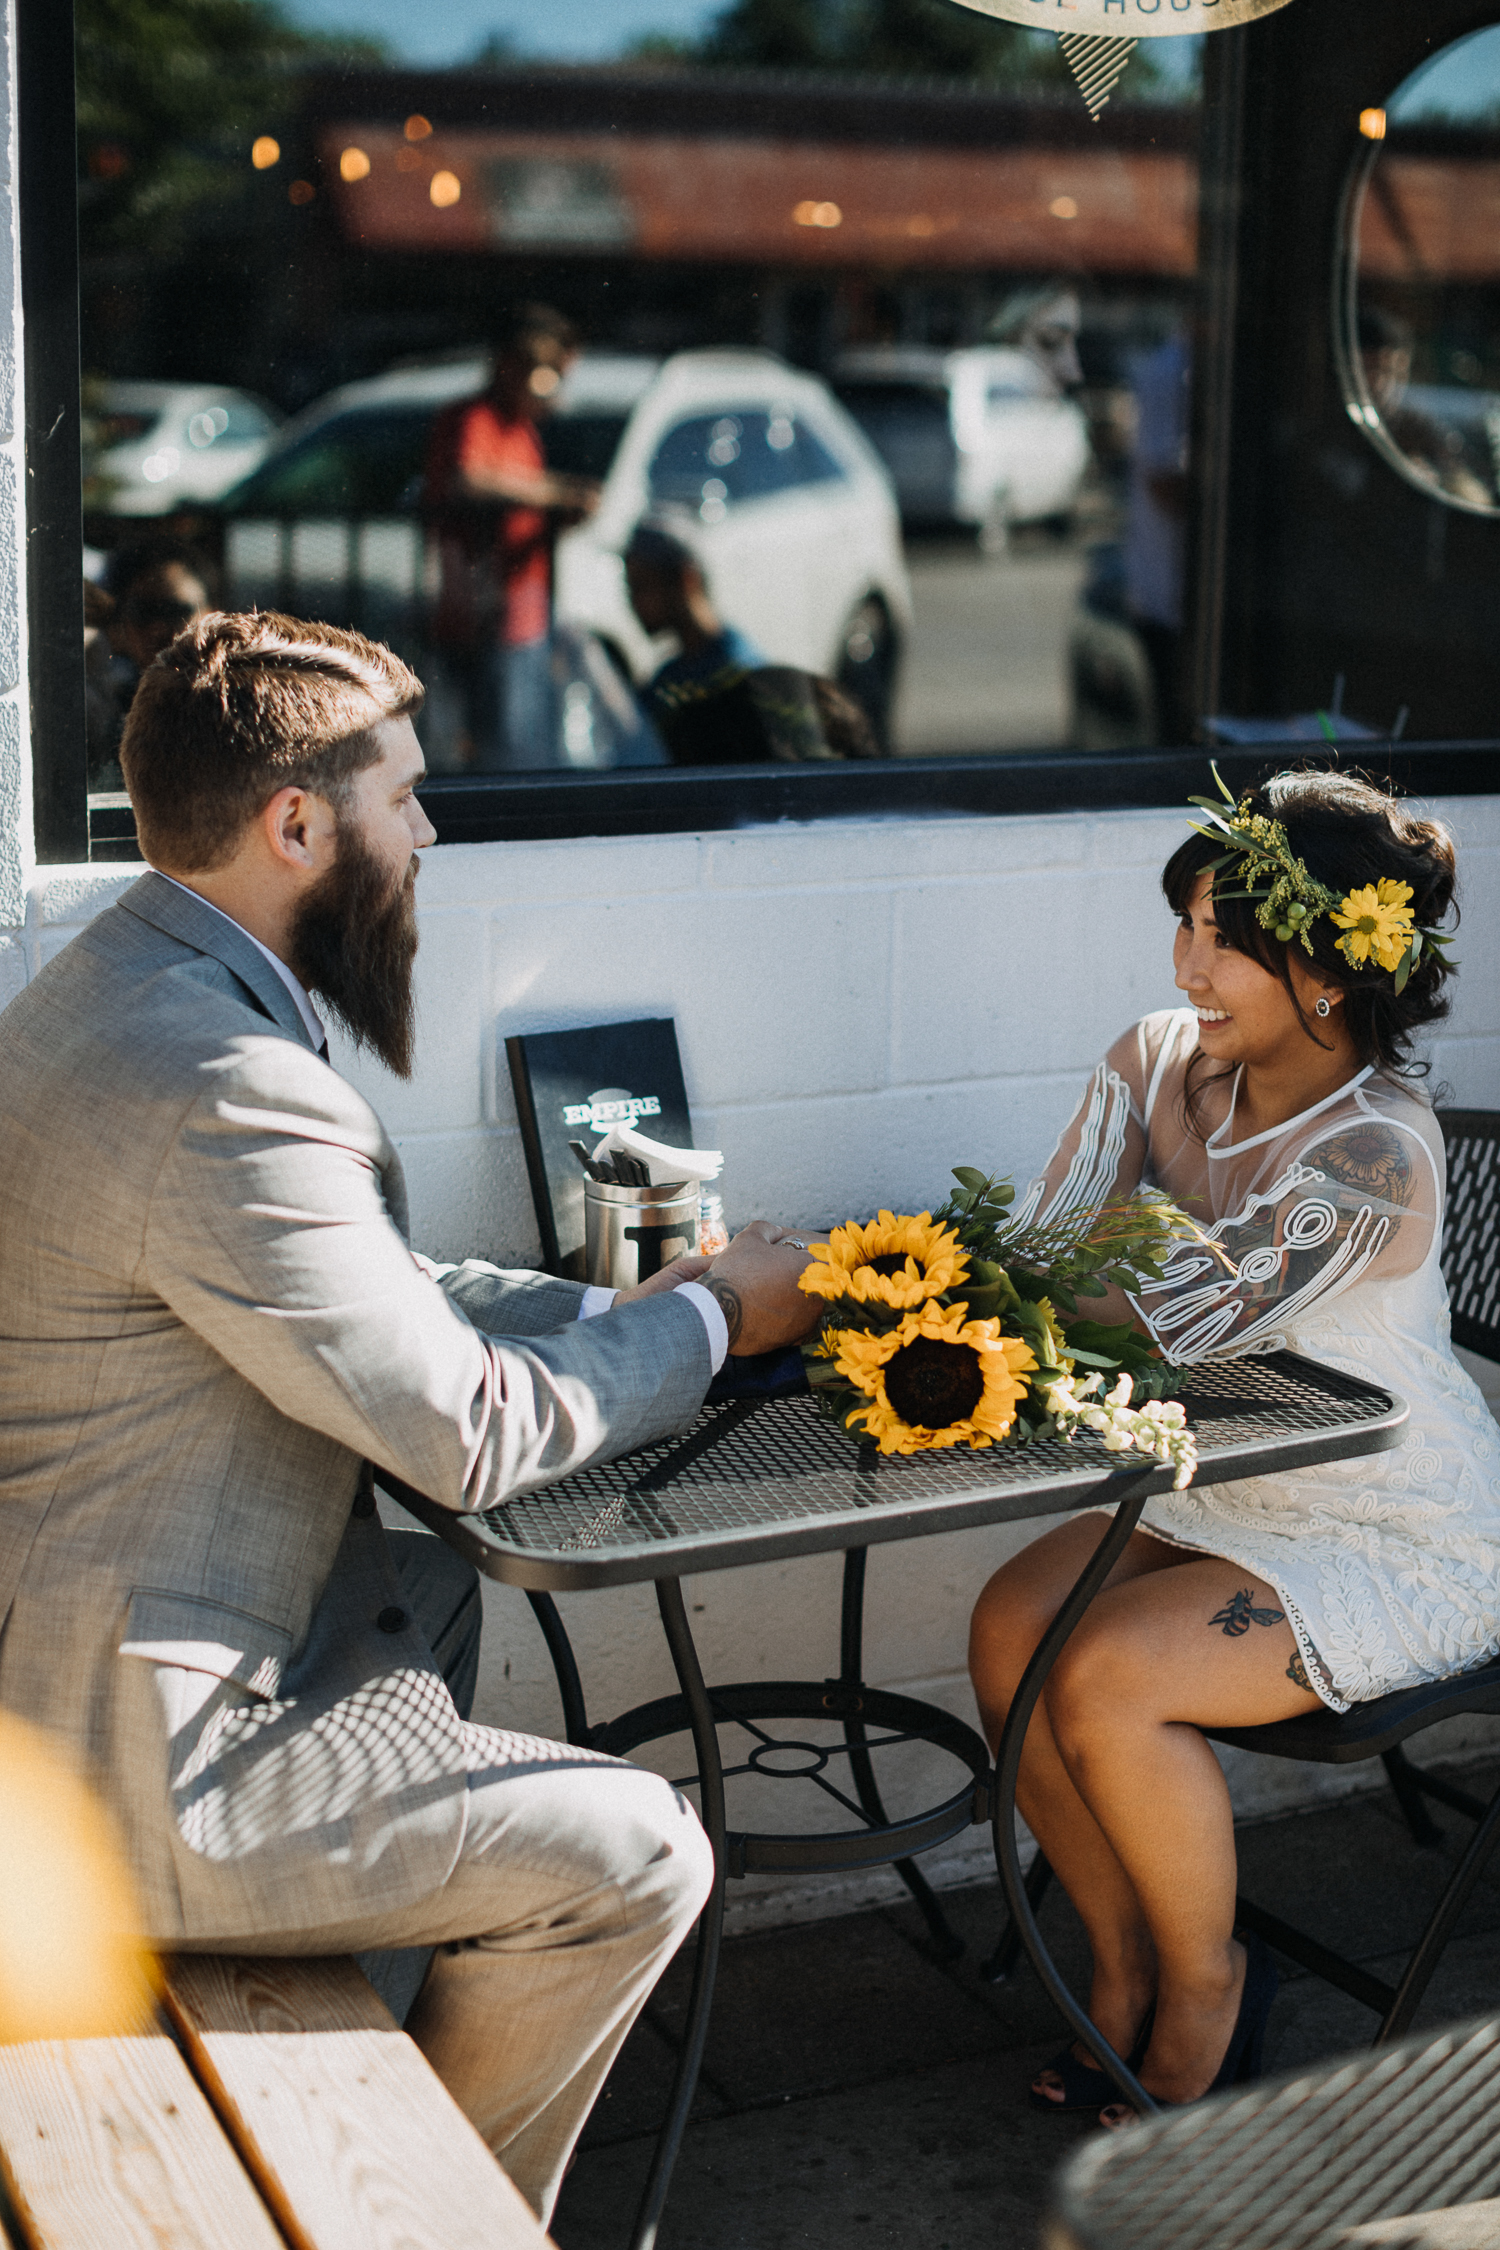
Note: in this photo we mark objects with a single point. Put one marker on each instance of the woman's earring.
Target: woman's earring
(1322, 1006)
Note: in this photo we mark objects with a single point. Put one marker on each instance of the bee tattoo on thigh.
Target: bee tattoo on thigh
(1239, 1614)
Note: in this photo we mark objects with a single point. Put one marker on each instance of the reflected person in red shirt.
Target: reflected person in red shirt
(494, 511)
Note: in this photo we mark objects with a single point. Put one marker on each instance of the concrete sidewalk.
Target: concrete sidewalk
(858, 2093)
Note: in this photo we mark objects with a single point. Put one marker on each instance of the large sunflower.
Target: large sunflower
(892, 1261)
(936, 1380)
(1376, 920)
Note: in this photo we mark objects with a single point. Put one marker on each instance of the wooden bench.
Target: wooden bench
(283, 2105)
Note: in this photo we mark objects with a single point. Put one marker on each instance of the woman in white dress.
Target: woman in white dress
(1282, 1111)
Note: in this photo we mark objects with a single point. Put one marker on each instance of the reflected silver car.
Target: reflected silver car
(160, 446)
(983, 437)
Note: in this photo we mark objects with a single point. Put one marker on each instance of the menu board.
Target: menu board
(572, 1086)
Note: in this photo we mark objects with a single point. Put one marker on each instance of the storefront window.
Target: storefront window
(880, 336)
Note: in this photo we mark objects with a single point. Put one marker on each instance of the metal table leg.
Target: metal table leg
(946, 1941)
(711, 1923)
(1129, 1491)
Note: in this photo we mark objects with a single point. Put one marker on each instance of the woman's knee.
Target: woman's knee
(1006, 1625)
(1095, 1683)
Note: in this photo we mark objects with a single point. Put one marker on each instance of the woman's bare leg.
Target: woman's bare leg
(1156, 1658)
(1012, 1613)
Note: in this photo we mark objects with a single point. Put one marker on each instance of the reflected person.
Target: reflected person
(495, 509)
(1435, 449)
(215, 1325)
(669, 594)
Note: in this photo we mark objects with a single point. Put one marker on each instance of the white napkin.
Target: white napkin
(662, 1162)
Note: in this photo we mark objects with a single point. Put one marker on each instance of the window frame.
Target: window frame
(649, 801)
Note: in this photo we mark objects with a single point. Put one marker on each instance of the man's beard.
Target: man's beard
(353, 942)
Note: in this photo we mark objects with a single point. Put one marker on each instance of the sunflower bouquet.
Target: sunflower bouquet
(962, 1327)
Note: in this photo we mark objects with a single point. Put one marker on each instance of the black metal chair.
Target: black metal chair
(1471, 1267)
(1471, 1234)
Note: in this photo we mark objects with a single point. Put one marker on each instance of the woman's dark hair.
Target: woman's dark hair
(1348, 833)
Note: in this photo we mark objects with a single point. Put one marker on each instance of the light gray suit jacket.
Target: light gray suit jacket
(209, 1317)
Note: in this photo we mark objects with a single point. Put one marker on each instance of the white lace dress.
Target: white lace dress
(1388, 1567)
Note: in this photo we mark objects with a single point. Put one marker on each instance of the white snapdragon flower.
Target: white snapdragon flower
(1159, 1428)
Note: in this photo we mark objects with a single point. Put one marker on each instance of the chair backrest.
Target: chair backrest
(1471, 1227)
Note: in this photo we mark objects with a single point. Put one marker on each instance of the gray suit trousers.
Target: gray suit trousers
(579, 1878)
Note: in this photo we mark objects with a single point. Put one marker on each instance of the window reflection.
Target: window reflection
(900, 359)
(1421, 313)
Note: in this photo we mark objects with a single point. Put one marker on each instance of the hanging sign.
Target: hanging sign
(1127, 19)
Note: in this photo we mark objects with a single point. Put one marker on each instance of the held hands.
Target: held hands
(755, 1282)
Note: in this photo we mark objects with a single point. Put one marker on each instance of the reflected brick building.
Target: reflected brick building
(664, 209)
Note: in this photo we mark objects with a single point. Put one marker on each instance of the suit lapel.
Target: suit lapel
(181, 914)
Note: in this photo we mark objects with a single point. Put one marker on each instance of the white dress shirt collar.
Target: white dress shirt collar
(312, 1021)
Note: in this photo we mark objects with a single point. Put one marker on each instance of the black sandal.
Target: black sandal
(1081, 2082)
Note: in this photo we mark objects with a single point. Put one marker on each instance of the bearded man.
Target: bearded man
(214, 1325)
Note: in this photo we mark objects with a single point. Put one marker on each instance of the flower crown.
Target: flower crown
(1376, 919)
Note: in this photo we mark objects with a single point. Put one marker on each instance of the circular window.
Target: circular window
(1417, 321)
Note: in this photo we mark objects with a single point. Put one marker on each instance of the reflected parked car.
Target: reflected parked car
(980, 437)
(788, 505)
(160, 446)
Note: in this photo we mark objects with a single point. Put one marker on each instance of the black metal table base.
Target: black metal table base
(877, 1840)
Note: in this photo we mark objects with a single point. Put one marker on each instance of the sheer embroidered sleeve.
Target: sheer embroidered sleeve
(1102, 1152)
(1355, 1195)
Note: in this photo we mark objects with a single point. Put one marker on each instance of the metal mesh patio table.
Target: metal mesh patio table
(756, 1480)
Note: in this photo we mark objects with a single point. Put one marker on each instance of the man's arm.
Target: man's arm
(268, 1236)
(508, 1301)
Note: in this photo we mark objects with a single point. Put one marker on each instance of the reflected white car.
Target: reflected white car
(166, 445)
(780, 494)
(982, 436)
(791, 510)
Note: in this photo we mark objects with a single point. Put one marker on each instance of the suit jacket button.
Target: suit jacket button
(364, 1504)
(391, 1620)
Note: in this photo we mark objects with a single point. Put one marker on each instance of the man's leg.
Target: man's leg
(442, 1592)
(579, 1879)
(576, 1886)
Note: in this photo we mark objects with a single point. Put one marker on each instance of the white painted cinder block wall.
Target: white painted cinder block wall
(860, 1005)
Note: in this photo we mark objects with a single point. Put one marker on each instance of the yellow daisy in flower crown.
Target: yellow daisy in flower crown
(936, 1380)
(1377, 922)
(895, 1262)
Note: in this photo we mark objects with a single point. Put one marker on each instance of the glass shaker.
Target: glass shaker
(713, 1234)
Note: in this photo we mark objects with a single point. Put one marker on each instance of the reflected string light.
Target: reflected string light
(265, 152)
(417, 127)
(445, 189)
(301, 191)
(1372, 124)
(810, 214)
(921, 226)
(1063, 207)
(354, 165)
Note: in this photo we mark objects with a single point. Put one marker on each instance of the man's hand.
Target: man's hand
(755, 1282)
(688, 1268)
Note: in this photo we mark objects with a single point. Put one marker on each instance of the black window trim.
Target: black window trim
(651, 801)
